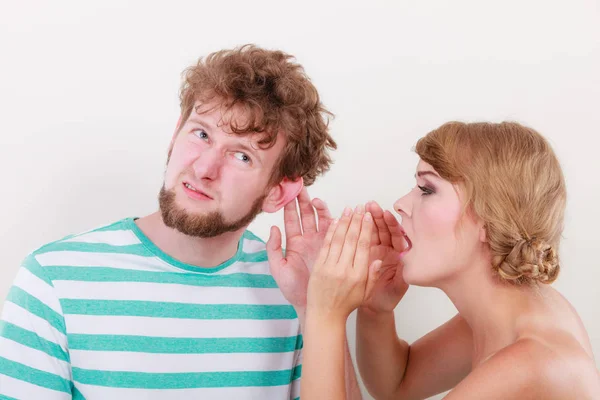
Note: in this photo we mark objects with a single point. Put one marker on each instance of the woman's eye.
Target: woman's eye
(426, 191)
(242, 157)
(201, 134)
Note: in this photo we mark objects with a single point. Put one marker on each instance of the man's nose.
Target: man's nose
(208, 164)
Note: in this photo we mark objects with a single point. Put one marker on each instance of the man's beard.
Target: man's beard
(202, 225)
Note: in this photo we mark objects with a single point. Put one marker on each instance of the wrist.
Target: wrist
(323, 317)
(374, 314)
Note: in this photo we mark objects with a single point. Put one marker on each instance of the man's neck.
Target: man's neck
(202, 252)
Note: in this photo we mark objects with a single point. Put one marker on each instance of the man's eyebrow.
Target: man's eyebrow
(249, 149)
(199, 121)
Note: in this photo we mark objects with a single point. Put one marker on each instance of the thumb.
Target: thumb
(274, 250)
(374, 274)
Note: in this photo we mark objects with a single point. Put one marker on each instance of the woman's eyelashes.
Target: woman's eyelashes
(425, 191)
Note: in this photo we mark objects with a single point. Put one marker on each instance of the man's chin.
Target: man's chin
(201, 223)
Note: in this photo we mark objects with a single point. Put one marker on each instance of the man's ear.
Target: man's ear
(281, 194)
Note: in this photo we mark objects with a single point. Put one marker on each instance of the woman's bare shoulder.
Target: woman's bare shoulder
(532, 368)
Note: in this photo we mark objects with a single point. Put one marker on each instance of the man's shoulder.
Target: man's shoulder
(117, 233)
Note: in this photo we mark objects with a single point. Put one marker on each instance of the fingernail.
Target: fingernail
(360, 209)
(347, 211)
(368, 217)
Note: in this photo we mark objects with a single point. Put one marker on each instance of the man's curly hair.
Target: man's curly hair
(276, 97)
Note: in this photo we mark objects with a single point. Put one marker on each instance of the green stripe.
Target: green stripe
(300, 343)
(105, 274)
(259, 256)
(115, 226)
(145, 344)
(176, 310)
(190, 380)
(34, 376)
(135, 249)
(36, 307)
(3, 397)
(77, 395)
(251, 236)
(32, 340)
(31, 264)
(297, 372)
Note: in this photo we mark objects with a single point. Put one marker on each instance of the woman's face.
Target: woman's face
(442, 239)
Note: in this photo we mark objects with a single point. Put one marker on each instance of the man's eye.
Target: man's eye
(201, 134)
(242, 157)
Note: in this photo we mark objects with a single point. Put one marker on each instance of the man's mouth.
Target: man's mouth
(195, 190)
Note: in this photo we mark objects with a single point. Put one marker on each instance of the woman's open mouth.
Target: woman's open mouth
(407, 244)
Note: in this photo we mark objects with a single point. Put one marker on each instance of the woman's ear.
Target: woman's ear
(483, 233)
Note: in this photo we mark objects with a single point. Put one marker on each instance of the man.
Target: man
(182, 303)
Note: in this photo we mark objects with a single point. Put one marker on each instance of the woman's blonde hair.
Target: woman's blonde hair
(514, 183)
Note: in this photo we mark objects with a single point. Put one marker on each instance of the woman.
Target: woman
(483, 224)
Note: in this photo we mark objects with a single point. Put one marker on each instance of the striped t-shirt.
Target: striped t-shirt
(107, 315)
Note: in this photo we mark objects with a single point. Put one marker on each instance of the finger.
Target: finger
(373, 278)
(381, 227)
(291, 220)
(324, 252)
(363, 247)
(307, 212)
(323, 214)
(351, 240)
(274, 250)
(337, 241)
(397, 238)
(375, 233)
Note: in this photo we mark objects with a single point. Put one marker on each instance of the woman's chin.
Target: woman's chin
(415, 275)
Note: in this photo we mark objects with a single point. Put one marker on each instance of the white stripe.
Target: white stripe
(295, 390)
(260, 268)
(241, 393)
(253, 246)
(114, 260)
(22, 318)
(115, 238)
(180, 328)
(167, 292)
(33, 358)
(22, 390)
(180, 363)
(38, 288)
(96, 228)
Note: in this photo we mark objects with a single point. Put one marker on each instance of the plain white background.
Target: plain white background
(88, 103)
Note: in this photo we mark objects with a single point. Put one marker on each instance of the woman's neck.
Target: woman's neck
(493, 309)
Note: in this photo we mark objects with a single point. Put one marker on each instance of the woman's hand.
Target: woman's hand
(342, 277)
(386, 245)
